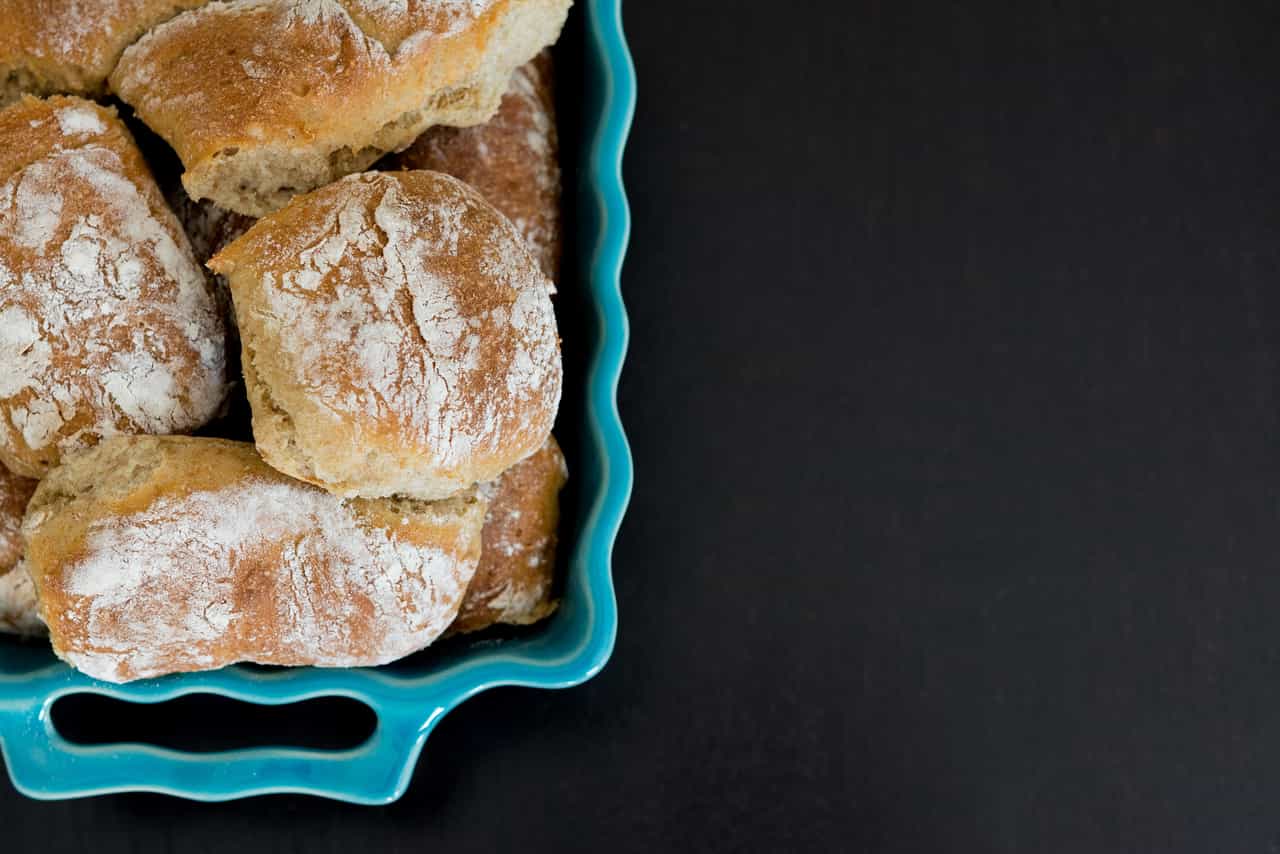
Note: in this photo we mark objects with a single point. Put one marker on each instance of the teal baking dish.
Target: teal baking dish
(409, 698)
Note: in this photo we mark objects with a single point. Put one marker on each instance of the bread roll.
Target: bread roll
(513, 583)
(397, 337)
(512, 159)
(155, 555)
(107, 325)
(49, 46)
(17, 596)
(263, 99)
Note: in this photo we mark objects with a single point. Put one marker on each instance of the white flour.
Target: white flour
(107, 324)
(374, 330)
(164, 583)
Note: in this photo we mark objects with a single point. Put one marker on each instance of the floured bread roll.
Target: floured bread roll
(107, 325)
(263, 99)
(165, 554)
(17, 596)
(512, 159)
(513, 582)
(49, 46)
(397, 337)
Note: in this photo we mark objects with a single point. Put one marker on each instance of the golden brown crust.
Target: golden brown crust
(397, 337)
(71, 45)
(107, 325)
(262, 99)
(35, 128)
(156, 555)
(513, 583)
(512, 159)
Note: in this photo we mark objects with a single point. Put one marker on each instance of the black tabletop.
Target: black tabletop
(953, 394)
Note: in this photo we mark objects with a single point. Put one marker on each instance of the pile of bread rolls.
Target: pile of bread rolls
(392, 330)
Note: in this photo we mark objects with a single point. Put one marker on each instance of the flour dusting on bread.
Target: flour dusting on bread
(513, 583)
(392, 21)
(512, 159)
(107, 325)
(265, 99)
(399, 346)
(400, 311)
(157, 554)
(131, 605)
(70, 46)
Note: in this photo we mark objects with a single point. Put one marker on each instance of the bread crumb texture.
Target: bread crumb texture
(264, 99)
(17, 596)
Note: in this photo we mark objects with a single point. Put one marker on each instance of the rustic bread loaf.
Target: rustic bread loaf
(397, 337)
(107, 324)
(264, 99)
(513, 583)
(70, 46)
(512, 159)
(155, 555)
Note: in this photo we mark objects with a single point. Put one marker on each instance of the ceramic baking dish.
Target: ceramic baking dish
(410, 697)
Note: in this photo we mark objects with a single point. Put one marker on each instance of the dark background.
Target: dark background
(953, 395)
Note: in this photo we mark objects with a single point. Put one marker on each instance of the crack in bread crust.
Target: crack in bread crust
(107, 324)
(402, 325)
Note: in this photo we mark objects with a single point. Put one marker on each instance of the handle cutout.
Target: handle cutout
(205, 723)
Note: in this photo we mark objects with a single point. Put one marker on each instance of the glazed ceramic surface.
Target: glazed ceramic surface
(410, 697)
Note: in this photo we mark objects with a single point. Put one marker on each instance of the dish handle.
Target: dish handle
(45, 765)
